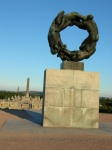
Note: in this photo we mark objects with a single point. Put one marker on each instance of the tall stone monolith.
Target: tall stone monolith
(27, 87)
(18, 90)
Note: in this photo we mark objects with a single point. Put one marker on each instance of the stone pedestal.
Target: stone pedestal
(72, 65)
(71, 99)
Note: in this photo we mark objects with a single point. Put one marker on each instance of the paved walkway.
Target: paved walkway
(22, 130)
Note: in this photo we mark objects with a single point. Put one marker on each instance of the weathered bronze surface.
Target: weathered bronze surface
(87, 47)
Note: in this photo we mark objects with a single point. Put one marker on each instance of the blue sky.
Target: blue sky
(24, 48)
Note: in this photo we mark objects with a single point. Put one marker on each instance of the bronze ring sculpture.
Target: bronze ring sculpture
(87, 47)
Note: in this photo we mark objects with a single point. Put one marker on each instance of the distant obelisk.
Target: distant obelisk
(27, 87)
(18, 89)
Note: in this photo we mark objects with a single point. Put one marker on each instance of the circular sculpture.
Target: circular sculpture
(87, 47)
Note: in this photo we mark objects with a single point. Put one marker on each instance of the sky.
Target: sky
(24, 48)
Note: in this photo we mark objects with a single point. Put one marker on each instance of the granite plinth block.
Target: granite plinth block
(71, 99)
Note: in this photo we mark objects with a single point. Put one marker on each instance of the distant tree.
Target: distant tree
(105, 105)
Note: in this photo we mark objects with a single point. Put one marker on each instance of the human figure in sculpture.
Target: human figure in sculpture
(91, 27)
(67, 19)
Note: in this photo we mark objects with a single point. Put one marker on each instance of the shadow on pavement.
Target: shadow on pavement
(30, 115)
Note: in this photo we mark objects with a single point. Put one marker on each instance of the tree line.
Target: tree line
(105, 105)
(9, 94)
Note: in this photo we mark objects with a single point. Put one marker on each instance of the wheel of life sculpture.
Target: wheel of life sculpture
(87, 47)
